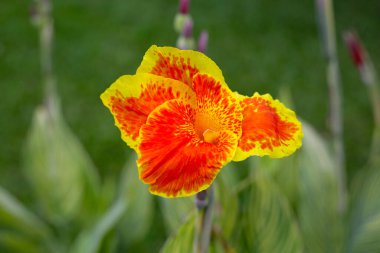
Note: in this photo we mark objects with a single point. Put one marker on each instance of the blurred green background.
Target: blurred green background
(260, 46)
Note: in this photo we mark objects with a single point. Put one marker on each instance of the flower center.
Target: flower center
(207, 127)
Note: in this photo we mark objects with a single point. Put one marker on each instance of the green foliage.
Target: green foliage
(14, 215)
(365, 216)
(59, 170)
(18, 243)
(320, 222)
(139, 212)
(90, 241)
(20, 229)
(284, 172)
(175, 211)
(271, 226)
(182, 241)
(227, 201)
(287, 205)
(364, 224)
(79, 214)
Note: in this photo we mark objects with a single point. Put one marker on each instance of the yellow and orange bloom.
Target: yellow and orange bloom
(185, 124)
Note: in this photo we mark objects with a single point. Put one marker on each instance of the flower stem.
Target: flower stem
(363, 62)
(204, 202)
(374, 91)
(325, 15)
(44, 22)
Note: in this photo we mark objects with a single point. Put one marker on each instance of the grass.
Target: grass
(260, 46)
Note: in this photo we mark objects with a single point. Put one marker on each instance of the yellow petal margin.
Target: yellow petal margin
(268, 128)
(178, 64)
(132, 98)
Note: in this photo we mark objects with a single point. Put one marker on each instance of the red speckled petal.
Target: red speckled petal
(218, 109)
(269, 128)
(174, 159)
(132, 98)
(178, 64)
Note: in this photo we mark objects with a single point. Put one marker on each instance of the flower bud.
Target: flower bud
(185, 40)
(185, 43)
(184, 6)
(355, 49)
(201, 200)
(360, 58)
(187, 30)
(180, 21)
(202, 42)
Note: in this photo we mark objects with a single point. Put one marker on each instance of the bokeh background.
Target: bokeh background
(263, 46)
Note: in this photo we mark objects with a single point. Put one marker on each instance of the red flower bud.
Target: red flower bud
(356, 50)
(184, 6)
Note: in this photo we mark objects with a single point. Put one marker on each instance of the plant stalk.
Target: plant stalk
(369, 77)
(46, 35)
(374, 91)
(325, 15)
(204, 202)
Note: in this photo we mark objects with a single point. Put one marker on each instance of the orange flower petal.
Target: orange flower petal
(132, 98)
(218, 109)
(174, 159)
(268, 128)
(178, 64)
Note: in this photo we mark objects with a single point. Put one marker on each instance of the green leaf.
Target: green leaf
(284, 172)
(219, 243)
(364, 223)
(226, 200)
(16, 243)
(90, 240)
(374, 158)
(14, 215)
(216, 247)
(60, 171)
(140, 209)
(182, 241)
(320, 222)
(270, 226)
(176, 211)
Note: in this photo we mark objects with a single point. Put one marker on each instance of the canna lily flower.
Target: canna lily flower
(185, 124)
